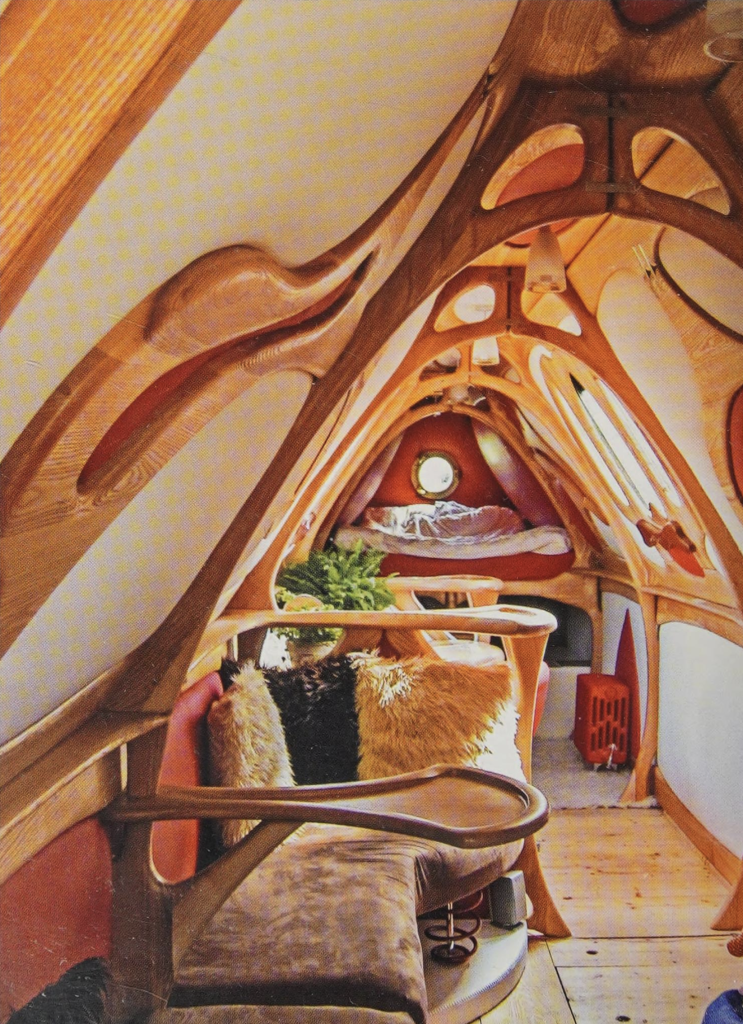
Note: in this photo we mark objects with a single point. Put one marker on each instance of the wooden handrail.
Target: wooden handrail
(461, 806)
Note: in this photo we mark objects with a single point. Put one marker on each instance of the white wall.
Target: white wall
(558, 718)
(700, 741)
(630, 314)
(291, 128)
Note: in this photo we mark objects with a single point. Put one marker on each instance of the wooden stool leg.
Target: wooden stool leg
(545, 918)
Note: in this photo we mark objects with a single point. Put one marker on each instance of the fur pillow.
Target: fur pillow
(423, 711)
(318, 711)
(246, 742)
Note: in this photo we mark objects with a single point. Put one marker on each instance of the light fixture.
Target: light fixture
(725, 30)
(485, 351)
(475, 305)
(457, 394)
(545, 268)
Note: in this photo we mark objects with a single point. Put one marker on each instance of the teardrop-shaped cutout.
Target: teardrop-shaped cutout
(710, 280)
(517, 176)
(669, 164)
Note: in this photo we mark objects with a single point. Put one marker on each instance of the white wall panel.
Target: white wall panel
(630, 314)
(700, 742)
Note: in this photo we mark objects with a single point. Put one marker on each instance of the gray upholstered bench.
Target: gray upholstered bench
(332, 919)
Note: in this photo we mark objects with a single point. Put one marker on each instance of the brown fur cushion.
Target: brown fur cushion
(246, 742)
(423, 711)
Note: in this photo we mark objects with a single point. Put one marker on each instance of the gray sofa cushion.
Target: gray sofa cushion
(276, 1015)
(442, 873)
(330, 920)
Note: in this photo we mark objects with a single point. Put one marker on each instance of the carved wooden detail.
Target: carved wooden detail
(246, 316)
(254, 317)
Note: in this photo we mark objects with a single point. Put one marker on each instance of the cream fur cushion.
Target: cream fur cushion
(423, 711)
(246, 742)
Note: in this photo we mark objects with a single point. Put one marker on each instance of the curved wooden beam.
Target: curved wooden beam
(239, 305)
(49, 176)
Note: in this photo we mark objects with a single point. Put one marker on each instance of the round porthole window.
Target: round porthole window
(435, 474)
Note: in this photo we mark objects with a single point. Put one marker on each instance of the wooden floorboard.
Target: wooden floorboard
(628, 873)
(676, 992)
(639, 899)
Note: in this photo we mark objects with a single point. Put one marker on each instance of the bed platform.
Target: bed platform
(446, 538)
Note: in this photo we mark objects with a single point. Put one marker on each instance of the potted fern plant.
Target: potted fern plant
(341, 578)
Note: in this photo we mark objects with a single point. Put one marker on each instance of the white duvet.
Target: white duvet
(450, 530)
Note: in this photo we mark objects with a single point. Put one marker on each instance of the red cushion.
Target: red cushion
(175, 844)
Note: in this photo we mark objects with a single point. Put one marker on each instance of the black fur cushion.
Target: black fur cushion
(317, 705)
(79, 997)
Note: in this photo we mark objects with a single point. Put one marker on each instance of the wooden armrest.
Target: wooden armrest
(500, 620)
(459, 806)
(459, 584)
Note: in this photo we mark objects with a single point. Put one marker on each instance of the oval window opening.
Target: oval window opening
(435, 474)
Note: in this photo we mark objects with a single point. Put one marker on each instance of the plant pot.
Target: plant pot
(300, 653)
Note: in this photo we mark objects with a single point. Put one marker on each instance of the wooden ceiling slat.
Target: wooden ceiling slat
(79, 81)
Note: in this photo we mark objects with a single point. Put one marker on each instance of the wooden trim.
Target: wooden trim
(79, 797)
(23, 750)
(724, 622)
(641, 780)
(609, 585)
(719, 856)
(67, 784)
(119, 86)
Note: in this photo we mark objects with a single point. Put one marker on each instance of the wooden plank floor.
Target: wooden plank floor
(639, 899)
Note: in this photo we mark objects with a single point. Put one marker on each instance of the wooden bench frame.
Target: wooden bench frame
(155, 922)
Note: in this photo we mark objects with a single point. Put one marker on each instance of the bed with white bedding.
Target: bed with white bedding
(448, 530)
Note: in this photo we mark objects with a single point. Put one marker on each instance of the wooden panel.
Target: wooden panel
(659, 953)
(59, 66)
(570, 41)
(664, 984)
(628, 873)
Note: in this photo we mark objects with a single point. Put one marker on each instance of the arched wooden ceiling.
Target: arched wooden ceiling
(559, 63)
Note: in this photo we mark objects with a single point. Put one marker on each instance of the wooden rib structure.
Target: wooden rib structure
(566, 74)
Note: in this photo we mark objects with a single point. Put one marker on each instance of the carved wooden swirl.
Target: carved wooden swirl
(254, 316)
